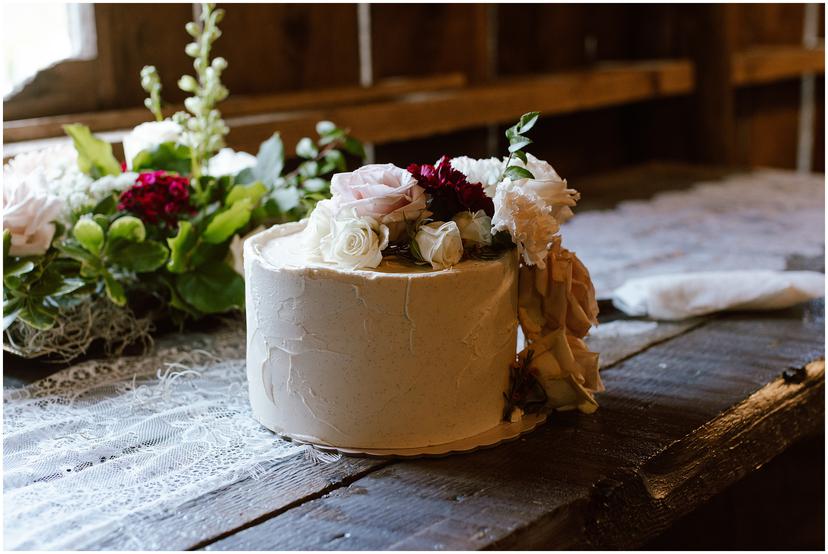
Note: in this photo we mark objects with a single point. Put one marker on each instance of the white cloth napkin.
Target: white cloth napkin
(683, 295)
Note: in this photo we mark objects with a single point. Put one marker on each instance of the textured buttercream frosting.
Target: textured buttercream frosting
(400, 356)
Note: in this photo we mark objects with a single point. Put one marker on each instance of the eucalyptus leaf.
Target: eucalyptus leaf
(325, 128)
(270, 160)
(95, 156)
(214, 288)
(305, 148)
(286, 198)
(225, 223)
(315, 184)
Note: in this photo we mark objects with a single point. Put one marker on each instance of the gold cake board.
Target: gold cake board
(503, 432)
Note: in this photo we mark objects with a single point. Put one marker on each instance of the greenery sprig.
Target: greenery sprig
(204, 129)
(517, 142)
(151, 83)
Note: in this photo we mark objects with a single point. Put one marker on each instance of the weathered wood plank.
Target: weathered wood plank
(709, 401)
(768, 64)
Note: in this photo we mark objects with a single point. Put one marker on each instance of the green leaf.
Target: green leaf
(53, 283)
(315, 184)
(354, 147)
(286, 198)
(270, 160)
(180, 247)
(114, 290)
(306, 149)
(515, 172)
(11, 309)
(215, 288)
(6, 242)
(205, 253)
(77, 253)
(519, 143)
(107, 206)
(89, 234)
(140, 257)
(128, 228)
(521, 155)
(37, 315)
(225, 223)
(253, 192)
(527, 121)
(94, 155)
(168, 156)
(18, 267)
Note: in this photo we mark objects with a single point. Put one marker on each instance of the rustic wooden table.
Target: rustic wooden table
(690, 409)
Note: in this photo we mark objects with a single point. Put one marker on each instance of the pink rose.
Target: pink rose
(387, 193)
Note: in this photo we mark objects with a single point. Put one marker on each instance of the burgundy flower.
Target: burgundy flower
(449, 190)
(158, 196)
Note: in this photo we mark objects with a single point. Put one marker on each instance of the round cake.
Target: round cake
(397, 356)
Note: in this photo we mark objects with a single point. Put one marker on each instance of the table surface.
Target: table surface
(690, 408)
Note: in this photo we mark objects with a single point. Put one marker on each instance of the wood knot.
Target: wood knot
(794, 375)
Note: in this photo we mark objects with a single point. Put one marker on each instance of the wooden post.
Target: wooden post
(712, 40)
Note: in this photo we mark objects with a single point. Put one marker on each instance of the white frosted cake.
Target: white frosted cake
(398, 356)
(387, 320)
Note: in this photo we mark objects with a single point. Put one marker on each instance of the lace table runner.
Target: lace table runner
(752, 220)
(99, 444)
(95, 445)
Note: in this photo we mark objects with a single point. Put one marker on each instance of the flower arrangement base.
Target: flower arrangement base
(504, 432)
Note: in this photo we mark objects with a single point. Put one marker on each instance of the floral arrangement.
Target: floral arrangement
(97, 248)
(460, 208)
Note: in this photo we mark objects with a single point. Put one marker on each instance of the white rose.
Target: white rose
(549, 186)
(28, 214)
(475, 228)
(319, 226)
(354, 241)
(147, 136)
(439, 244)
(528, 219)
(486, 171)
(229, 162)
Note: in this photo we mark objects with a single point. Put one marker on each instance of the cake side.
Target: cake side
(394, 357)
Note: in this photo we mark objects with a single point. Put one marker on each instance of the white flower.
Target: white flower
(439, 244)
(147, 136)
(229, 162)
(486, 171)
(28, 213)
(319, 226)
(549, 186)
(475, 228)
(354, 241)
(528, 219)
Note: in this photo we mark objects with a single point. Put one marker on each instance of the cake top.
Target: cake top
(440, 215)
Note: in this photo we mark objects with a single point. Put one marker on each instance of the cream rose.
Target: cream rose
(439, 244)
(149, 135)
(383, 192)
(354, 241)
(28, 213)
(475, 228)
(526, 217)
(229, 162)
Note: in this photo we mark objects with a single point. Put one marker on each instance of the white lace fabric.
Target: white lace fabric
(747, 221)
(101, 442)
